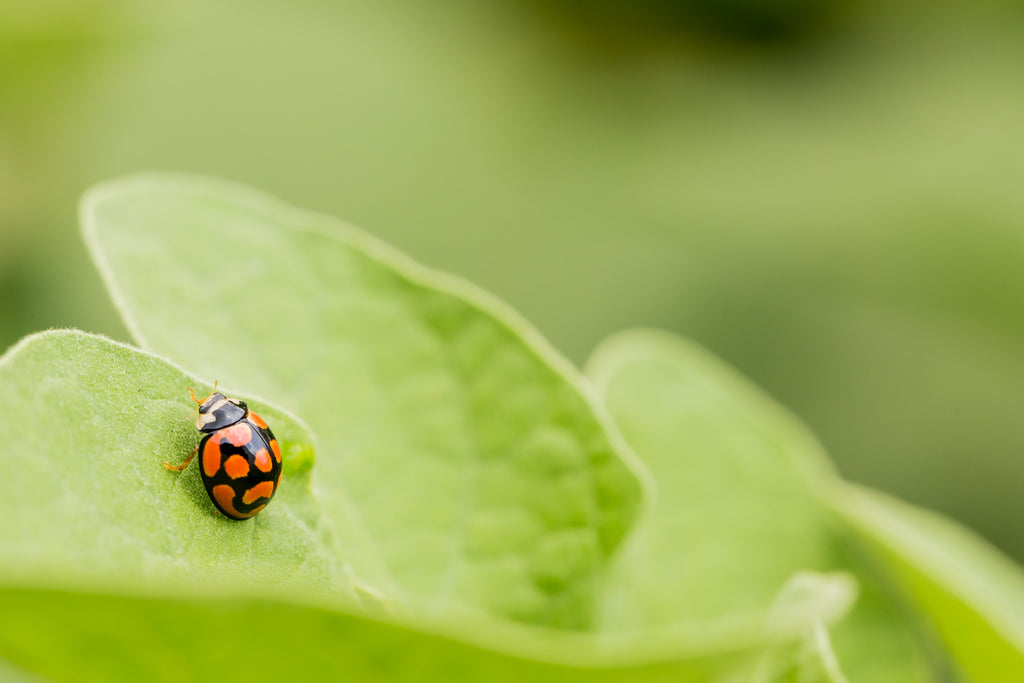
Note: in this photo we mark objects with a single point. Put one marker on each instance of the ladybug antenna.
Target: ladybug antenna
(199, 401)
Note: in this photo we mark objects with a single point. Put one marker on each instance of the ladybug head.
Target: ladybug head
(217, 411)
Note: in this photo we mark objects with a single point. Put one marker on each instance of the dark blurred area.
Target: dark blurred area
(827, 194)
(738, 23)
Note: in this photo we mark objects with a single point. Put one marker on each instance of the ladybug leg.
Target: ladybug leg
(179, 468)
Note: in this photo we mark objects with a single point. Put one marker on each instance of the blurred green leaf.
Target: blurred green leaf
(735, 513)
(173, 638)
(85, 498)
(738, 503)
(100, 543)
(479, 474)
(969, 592)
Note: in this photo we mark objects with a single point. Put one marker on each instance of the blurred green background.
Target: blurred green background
(827, 194)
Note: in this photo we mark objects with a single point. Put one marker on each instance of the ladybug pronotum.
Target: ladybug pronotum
(241, 459)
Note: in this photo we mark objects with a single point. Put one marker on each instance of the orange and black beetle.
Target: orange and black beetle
(241, 459)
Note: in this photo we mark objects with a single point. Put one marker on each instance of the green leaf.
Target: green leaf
(182, 638)
(476, 471)
(113, 568)
(735, 514)
(971, 594)
(86, 500)
(738, 507)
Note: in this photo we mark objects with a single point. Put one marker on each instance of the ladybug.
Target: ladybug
(241, 459)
